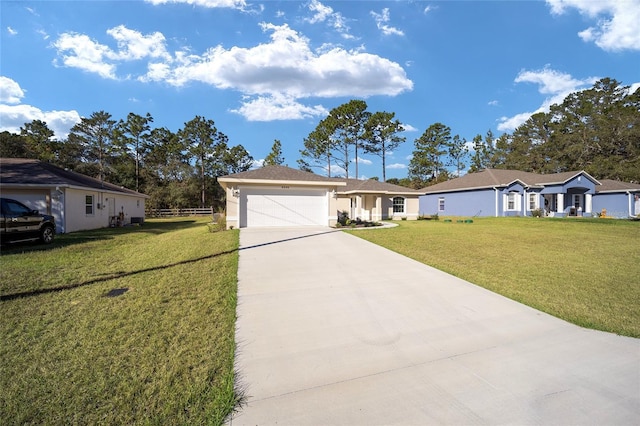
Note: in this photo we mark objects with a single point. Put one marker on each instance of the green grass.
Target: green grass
(160, 353)
(584, 271)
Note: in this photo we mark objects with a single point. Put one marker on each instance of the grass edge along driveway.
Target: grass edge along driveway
(584, 271)
(160, 351)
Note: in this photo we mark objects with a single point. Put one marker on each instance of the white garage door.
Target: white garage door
(283, 207)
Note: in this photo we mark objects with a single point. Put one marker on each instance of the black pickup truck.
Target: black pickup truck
(20, 223)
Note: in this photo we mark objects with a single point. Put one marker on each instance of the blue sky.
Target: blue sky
(273, 69)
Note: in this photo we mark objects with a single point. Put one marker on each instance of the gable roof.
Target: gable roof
(608, 185)
(490, 178)
(29, 173)
(376, 187)
(279, 174)
(286, 175)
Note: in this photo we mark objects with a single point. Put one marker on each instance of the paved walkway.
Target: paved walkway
(333, 330)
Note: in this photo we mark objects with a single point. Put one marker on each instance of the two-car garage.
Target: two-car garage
(283, 206)
(279, 196)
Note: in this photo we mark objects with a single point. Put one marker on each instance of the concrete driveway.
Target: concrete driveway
(333, 330)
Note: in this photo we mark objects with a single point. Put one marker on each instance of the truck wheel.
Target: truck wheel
(46, 234)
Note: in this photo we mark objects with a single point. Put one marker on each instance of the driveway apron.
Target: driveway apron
(334, 330)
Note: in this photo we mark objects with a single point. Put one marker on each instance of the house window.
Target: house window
(441, 204)
(513, 201)
(533, 201)
(398, 204)
(88, 205)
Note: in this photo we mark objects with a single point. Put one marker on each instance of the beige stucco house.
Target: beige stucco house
(76, 201)
(282, 196)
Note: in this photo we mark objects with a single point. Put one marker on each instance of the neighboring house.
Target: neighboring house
(77, 202)
(618, 199)
(282, 196)
(495, 192)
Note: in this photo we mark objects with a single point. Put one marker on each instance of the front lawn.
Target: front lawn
(584, 271)
(120, 326)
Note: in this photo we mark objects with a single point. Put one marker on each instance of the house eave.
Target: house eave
(76, 187)
(373, 192)
(321, 183)
(471, 188)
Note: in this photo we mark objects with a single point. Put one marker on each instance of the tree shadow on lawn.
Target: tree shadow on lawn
(18, 295)
(101, 234)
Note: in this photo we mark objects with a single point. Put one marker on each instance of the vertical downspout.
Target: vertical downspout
(496, 189)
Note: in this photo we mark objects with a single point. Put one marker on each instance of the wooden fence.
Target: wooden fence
(196, 211)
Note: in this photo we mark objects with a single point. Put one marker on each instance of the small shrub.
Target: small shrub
(218, 224)
(536, 213)
(343, 218)
(435, 216)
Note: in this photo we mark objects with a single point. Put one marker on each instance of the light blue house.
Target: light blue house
(494, 192)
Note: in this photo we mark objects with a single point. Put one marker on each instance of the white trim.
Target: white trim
(536, 204)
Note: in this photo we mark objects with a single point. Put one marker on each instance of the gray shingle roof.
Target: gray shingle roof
(283, 173)
(279, 173)
(374, 186)
(608, 185)
(23, 172)
(489, 178)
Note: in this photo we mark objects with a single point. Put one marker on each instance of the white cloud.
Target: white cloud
(361, 160)
(409, 128)
(79, 51)
(617, 21)
(10, 91)
(634, 87)
(283, 71)
(323, 13)
(132, 45)
(396, 166)
(15, 115)
(493, 103)
(276, 107)
(336, 171)
(381, 22)
(275, 75)
(555, 84)
(231, 4)
(11, 31)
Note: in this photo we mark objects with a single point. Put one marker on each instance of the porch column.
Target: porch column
(587, 203)
(377, 211)
(560, 203)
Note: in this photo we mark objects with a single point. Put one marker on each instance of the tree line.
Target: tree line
(596, 130)
(176, 169)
